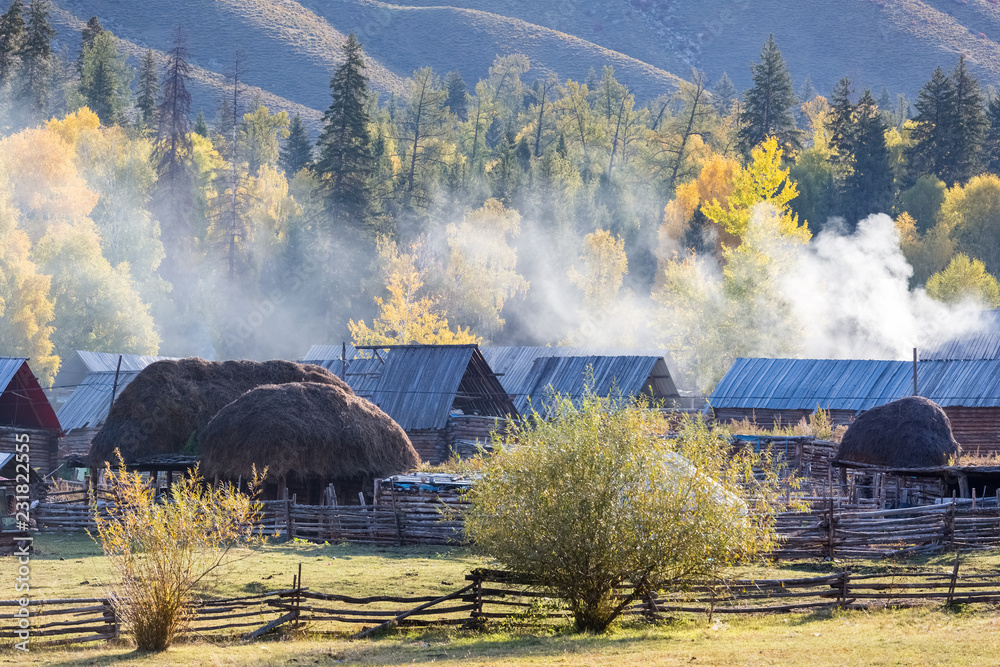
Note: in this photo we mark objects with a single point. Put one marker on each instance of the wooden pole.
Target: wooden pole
(343, 361)
(114, 387)
(915, 392)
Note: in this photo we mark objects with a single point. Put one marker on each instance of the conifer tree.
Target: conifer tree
(297, 151)
(36, 56)
(968, 126)
(456, 101)
(991, 145)
(92, 29)
(149, 89)
(932, 132)
(200, 126)
(869, 186)
(767, 106)
(11, 35)
(841, 124)
(723, 95)
(104, 79)
(345, 160)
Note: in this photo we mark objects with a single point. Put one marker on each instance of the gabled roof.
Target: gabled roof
(22, 402)
(420, 385)
(983, 343)
(82, 362)
(516, 368)
(851, 384)
(329, 356)
(617, 377)
(88, 405)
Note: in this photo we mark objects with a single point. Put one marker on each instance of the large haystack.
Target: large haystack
(304, 431)
(162, 410)
(912, 432)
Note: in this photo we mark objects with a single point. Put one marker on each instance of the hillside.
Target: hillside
(291, 47)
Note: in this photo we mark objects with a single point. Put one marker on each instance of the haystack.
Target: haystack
(305, 431)
(912, 432)
(162, 410)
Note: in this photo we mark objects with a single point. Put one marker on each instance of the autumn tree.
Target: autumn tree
(762, 181)
(345, 161)
(422, 135)
(969, 214)
(608, 313)
(964, 278)
(767, 105)
(259, 137)
(408, 315)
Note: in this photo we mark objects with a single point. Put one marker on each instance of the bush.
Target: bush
(595, 499)
(162, 550)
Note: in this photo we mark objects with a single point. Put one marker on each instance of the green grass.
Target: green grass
(71, 566)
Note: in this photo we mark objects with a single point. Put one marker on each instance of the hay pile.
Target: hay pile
(162, 410)
(912, 432)
(304, 430)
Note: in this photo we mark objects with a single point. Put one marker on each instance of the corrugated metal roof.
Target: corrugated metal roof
(82, 362)
(514, 365)
(326, 355)
(616, 376)
(89, 403)
(845, 384)
(982, 344)
(9, 366)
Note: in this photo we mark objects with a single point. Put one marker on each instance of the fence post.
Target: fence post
(949, 524)
(845, 576)
(954, 578)
(830, 531)
(298, 597)
(395, 514)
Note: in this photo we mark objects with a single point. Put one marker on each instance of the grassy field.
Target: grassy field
(71, 566)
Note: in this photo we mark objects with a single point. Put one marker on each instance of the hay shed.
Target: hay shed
(912, 432)
(169, 402)
(308, 435)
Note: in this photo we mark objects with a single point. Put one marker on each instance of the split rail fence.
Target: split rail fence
(836, 531)
(497, 597)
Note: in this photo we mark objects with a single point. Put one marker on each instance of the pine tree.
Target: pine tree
(807, 91)
(457, 100)
(931, 134)
(723, 95)
(149, 89)
(36, 56)
(345, 154)
(172, 198)
(200, 126)
(104, 79)
(968, 126)
(869, 186)
(991, 145)
(841, 124)
(11, 35)
(767, 106)
(92, 29)
(297, 151)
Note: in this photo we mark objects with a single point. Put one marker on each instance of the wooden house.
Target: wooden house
(531, 374)
(26, 411)
(83, 391)
(769, 391)
(446, 397)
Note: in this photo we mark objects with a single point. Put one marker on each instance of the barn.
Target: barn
(25, 410)
(771, 391)
(446, 397)
(529, 374)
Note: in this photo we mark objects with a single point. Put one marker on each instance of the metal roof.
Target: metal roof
(73, 371)
(328, 356)
(22, 401)
(89, 403)
(514, 365)
(983, 343)
(615, 376)
(851, 384)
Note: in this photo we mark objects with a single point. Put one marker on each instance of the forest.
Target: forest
(518, 209)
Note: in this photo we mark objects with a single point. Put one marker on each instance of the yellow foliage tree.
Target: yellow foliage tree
(964, 278)
(406, 317)
(762, 181)
(25, 306)
(714, 183)
(608, 316)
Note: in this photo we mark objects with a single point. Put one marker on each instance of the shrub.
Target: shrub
(161, 550)
(595, 499)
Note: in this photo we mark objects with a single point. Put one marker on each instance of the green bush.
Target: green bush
(594, 498)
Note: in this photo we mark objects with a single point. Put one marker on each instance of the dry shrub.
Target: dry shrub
(161, 550)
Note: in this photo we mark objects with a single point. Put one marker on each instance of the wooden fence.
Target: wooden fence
(493, 596)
